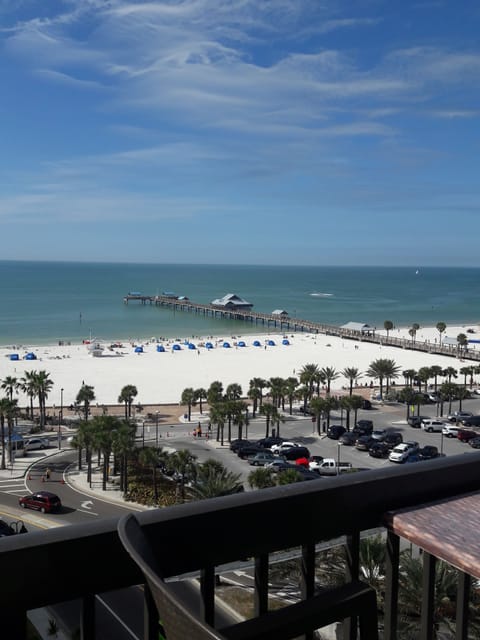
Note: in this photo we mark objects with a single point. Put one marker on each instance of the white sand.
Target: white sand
(161, 377)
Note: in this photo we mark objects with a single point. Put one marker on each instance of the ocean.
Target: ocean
(48, 302)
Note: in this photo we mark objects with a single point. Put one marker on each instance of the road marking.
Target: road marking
(91, 513)
(117, 618)
(86, 504)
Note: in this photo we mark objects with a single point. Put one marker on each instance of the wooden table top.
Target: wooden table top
(448, 529)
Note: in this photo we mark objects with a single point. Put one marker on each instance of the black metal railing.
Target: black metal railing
(79, 561)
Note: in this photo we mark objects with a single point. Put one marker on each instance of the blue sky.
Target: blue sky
(240, 131)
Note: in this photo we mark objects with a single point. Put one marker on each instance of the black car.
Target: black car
(475, 443)
(363, 428)
(235, 445)
(366, 404)
(348, 438)
(428, 452)
(334, 431)
(266, 443)
(392, 439)
(364, 442)
(295, 453)
(415, 421)
(250, 450)
(379, 450)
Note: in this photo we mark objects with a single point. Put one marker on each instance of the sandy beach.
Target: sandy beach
(160, 377)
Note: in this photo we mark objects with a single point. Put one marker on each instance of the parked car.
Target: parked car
(296, 452)
(416, 421)
(450, 430)
(363, 427)
(432, 425)
(392, 439)
(379, 450)
(465, 435)
(474, 443)
(334, 431)
(36, 443)
(364, 442)
(250, 450)
(428, 452)
(348, 438)
(279, 465)
(401, 452)
(473, 421)
(261, 459)
(434, 396)
(287, 444)
(266, 443)
(457, 416)
(43, 501)
(379, 434)
(235, 445)
(366, 404)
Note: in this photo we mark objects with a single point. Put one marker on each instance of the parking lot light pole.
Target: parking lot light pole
(441, 442)
(60, 420)
(156, 428)
(339, 444)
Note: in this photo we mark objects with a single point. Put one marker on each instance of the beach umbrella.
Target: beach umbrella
(160, 348)
(191, 345)
(226, 345)
(271, 343)
(208, 345)
(285, 341)
(14, 356)
(138, 349)
(241, 344)
(256, 343)
(176, 347)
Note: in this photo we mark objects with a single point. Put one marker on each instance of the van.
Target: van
(473, 421)
(432, 425)
(295, 453)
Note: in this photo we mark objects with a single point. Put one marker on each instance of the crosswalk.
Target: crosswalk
(12, 486)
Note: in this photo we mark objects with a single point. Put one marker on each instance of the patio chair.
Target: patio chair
(352, 599)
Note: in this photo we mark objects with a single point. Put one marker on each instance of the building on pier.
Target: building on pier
(232, 302)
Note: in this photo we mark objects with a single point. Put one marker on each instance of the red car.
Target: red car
(43, 501)
(466, 434)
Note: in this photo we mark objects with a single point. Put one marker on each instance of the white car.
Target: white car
(280, 448)
(432, 425)
(401, 452)
(36, 443)
(450, 430)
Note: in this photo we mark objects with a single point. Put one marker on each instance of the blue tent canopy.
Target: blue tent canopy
(14, 356)
(138, 349)
(226, 345)
(191, 345)
(30, 356)
(271, 343)
(176, 347)
(256, 343)
(241, 343)
(160, 348)
(285, 341)
(208, 345)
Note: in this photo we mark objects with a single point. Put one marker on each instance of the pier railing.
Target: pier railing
(82, 561)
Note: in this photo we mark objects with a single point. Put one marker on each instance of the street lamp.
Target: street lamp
(339, 444)
(156, 428)
(60, 420)
(441, 442)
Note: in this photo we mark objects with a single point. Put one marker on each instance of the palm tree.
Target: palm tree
(352, 374)
(409, 375)
(330, 404)
(7, 411)
(215, 392)
(188, 398)
(423, 376)
(200, 395)
(103, 429)
(356, 403)
(467, 371)
(290, 389)
(10, 385)
(383, 369)
(214, 480)
(317, 407)
(449, 373)
(441, 326)
(435, 371)
(43, 386)
(28, 386)
(123, 445)
(462, 394)
(85, 397)
(271, 414)
(277, 386)
(233, 391)
(388, 326)
(150, 457)
(309, 377)
(408, 395)
(258, 384)
(329, 374)
(217, 417)
(462, 342)
(412, 333)
(289, 476)
(127, 395)
(449, 391)
(261, 478)
(183, 463)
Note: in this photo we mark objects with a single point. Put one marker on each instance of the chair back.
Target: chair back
(178, 622)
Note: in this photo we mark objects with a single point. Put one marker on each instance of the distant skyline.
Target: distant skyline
(296, 132)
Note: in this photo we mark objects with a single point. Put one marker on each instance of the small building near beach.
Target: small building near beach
(280, 312)
(366, 329)
(232, 302)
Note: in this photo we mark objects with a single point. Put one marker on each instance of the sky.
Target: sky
(315, 132)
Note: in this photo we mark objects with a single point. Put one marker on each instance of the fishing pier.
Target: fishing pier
(285, 323)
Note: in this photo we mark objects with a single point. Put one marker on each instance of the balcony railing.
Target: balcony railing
(80, 561)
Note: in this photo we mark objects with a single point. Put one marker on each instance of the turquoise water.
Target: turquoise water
(46, 302)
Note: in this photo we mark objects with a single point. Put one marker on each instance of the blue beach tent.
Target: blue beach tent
(176, 347)
(271, 343)
(226, 345)
(30, 356)
(138, 349)
(160, 348)
(241, 344)
(14, 356)
(191, 345)
(285, 341)
(256, 343)
(208, 345)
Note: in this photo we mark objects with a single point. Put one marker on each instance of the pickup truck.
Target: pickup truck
(329, 467)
